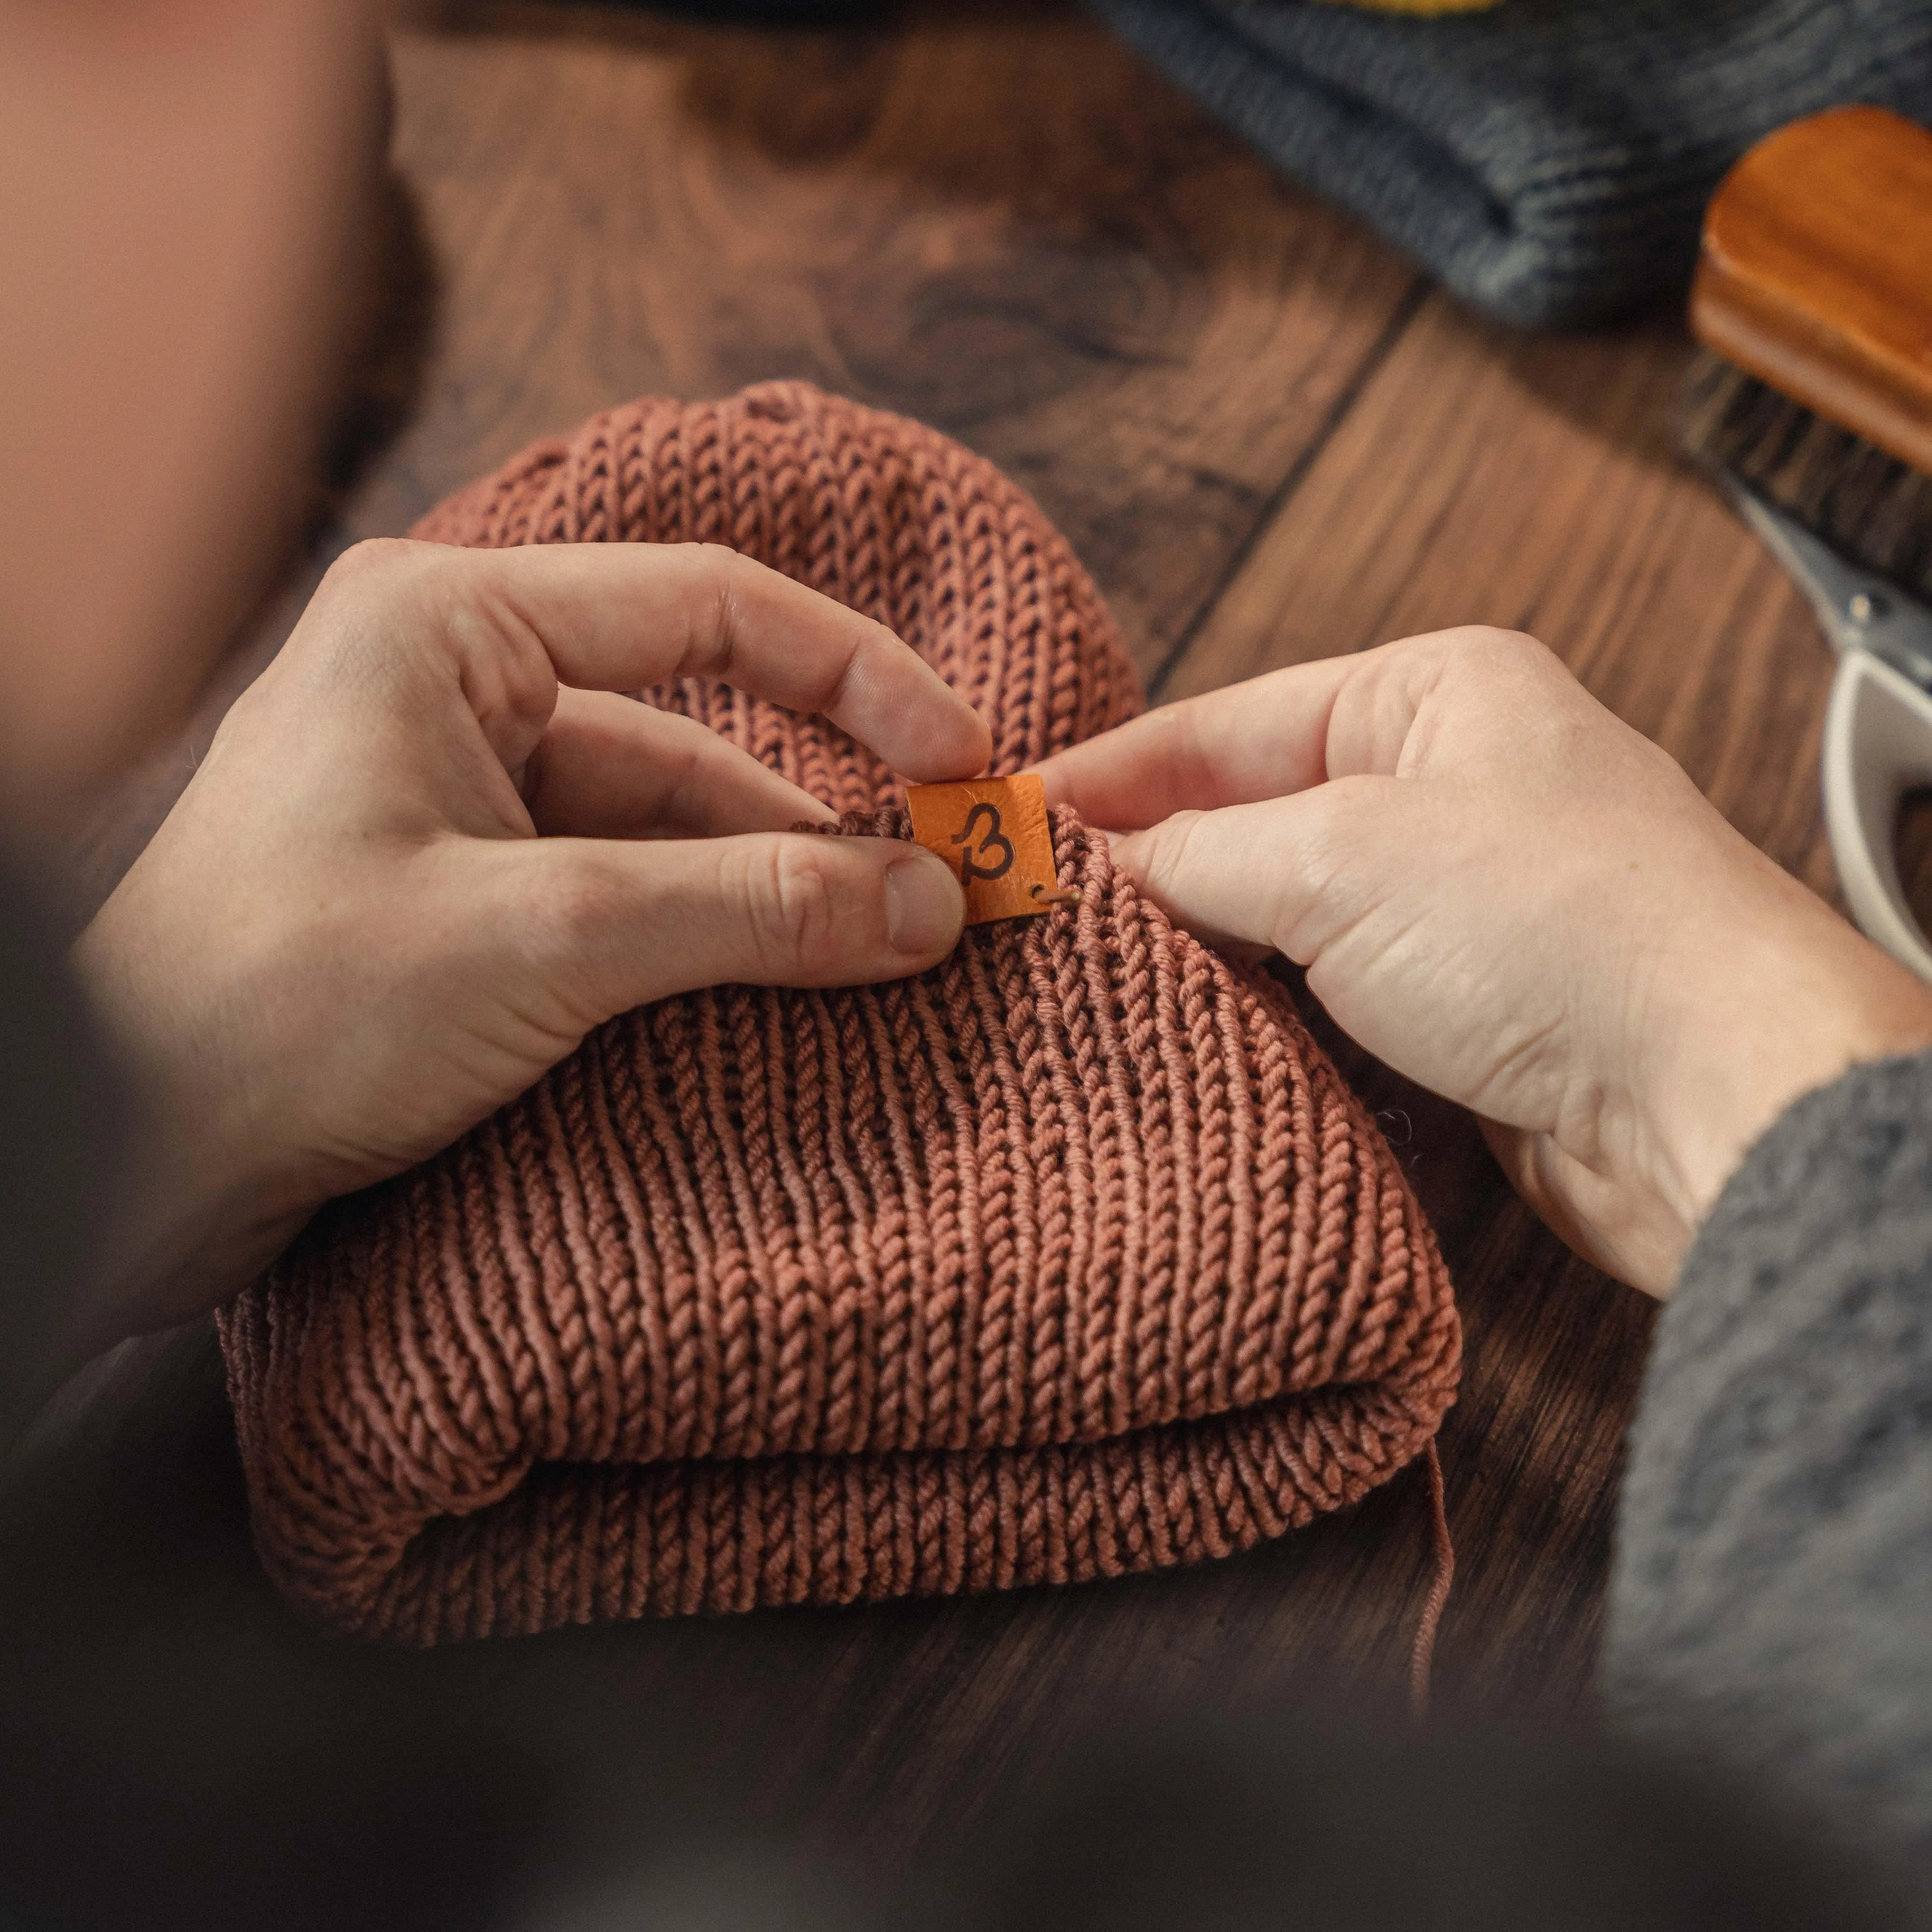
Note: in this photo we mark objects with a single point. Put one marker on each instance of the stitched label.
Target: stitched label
(993, 832)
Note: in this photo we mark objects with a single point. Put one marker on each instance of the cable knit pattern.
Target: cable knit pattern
(1070, 1257)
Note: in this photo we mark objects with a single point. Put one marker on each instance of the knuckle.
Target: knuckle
(577, 901)
(718, 572)
(1493, 644)
(1518, 653)
(1176, 842)
(375, 561)
(337, 635)
(1168, 857)
(715, 560)
(500, 653)
(798, 909)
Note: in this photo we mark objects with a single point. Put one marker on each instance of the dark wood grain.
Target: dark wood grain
(1267, 442)
(993, 218)
(998, 222)
(1484, 477)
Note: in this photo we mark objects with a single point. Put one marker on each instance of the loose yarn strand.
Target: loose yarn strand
(1422, 1657)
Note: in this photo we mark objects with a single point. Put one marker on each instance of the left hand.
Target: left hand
(431, 849)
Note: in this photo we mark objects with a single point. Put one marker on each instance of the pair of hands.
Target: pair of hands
(431, 849)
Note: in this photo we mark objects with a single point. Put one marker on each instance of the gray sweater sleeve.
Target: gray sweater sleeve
(1771, 1602)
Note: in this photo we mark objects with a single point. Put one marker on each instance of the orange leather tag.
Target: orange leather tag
(993, 832)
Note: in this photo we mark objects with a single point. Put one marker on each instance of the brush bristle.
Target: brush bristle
(1868, 506)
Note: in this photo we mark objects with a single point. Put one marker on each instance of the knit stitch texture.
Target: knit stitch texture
(1069, 1258)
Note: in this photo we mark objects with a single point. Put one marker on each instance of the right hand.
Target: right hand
(1511, 896)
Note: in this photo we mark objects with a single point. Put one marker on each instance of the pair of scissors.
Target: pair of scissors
(1878, 721)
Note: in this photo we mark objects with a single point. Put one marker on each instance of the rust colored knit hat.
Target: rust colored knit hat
(1071, 1257)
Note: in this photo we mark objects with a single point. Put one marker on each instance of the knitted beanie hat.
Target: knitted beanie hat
(1072, 1256)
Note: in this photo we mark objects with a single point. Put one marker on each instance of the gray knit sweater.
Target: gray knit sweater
(1549, 160)
(1772, 1602)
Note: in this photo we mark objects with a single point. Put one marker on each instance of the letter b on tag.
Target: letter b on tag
(993, 832)
(992, 857)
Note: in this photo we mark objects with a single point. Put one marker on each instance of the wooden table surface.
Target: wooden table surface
(1271, 439)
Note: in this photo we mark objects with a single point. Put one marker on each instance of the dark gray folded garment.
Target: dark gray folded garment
(1549, 160)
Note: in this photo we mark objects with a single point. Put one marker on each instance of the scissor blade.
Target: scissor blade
(1860, 610)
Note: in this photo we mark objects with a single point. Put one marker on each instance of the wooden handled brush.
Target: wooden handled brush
(1816, 273)
(1814, 300)
(1814, 286)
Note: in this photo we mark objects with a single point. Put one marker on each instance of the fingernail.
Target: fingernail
(925, 907)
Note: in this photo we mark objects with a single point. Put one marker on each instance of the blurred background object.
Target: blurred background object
(186, 204)
(1549, 160)
(1812, 402)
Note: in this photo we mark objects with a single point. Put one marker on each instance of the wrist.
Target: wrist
(1787, 1004)
(208, 1200)
(188, 1236)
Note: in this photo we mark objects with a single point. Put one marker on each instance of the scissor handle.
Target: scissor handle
(1878, 746)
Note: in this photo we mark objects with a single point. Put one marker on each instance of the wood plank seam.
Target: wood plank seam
(1393, 330)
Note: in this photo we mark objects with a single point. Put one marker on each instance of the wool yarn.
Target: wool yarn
(889, 516)
(1071, 1257)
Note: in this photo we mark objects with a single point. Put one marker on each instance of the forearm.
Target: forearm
(1772, 1600)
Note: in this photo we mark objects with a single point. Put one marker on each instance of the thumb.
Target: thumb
(618, 923)
(1290, 873)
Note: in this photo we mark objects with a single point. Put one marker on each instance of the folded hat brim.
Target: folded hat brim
(1071, 1257)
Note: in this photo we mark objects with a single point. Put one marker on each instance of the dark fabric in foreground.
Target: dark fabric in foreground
(63, 1138)
(1549, 160)
(1771, 1610)
(1280, 1823)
